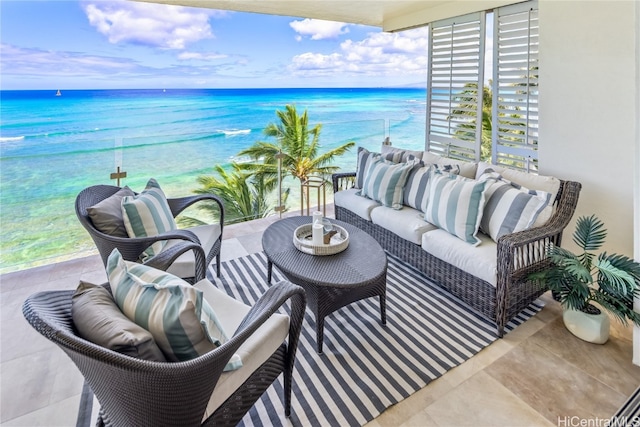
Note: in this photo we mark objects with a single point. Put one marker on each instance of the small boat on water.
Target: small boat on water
(58, 93)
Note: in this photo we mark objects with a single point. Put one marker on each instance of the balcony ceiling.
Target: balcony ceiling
(390, 15)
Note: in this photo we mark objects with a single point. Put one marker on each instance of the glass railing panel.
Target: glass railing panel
(41, 181)
(39, 184)
(409, 133)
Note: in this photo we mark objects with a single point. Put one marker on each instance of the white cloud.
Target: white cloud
(185, 56)
(318, 29)
(149, 24)
(378, 55)
(21, 61)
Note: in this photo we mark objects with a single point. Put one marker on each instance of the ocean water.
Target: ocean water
(51, 147)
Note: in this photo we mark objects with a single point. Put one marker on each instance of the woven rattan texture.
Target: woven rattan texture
(131, 248)
(333, 281)
(135, 392)
(513, 291)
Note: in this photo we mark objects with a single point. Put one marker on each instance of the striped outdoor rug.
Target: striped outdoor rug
(367, 367)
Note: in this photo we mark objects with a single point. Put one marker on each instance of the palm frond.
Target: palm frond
(613, 279)
(590, 233)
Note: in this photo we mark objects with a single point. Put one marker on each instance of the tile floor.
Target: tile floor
(538, 375)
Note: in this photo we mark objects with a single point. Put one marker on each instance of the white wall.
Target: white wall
(587, 108)
(590, 113)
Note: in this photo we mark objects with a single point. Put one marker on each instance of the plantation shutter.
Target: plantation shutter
(515, 87)
(455, 71)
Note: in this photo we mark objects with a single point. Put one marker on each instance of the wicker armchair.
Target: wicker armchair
(186, 256)
(135, 392)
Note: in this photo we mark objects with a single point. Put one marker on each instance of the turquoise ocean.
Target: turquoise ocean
(51, 147)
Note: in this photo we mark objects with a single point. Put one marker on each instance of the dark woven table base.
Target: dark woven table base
(334, 281)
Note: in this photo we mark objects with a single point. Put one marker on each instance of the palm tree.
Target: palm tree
(244, 197)
(299, 146)
(466, 107)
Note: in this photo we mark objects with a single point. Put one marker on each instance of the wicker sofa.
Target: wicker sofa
(502, 289)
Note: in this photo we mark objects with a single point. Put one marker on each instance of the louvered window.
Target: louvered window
(515, 87)
(455, 72)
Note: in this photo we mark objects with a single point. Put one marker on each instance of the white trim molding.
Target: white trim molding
(636, 186)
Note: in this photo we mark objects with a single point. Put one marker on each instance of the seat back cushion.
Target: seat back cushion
(182, 323)
(455, 204)
(398, 155)
(99, 320)
(106, 215)
(148, 214)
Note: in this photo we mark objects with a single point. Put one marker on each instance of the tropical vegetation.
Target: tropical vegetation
(466, 106)
(247, 188)
(245, 197)
(466, 109)
(299, 145)
(612, 281)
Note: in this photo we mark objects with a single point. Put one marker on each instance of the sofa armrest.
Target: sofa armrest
(522, 252)
(343, 181)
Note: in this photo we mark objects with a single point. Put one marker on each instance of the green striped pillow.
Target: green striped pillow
(384, 182)
(148, 214)
(180, 320)
(455, 204)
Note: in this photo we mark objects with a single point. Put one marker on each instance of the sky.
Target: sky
(100, 44)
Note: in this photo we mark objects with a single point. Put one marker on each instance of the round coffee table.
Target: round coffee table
(331, 281)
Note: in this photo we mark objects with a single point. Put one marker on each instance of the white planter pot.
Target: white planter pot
(593, 328)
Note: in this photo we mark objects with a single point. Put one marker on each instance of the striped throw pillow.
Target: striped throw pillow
(384, 182)
(365, 158)
(416, 190)
(148, 214)
(456, 205)
(509, 207)
(180, 320)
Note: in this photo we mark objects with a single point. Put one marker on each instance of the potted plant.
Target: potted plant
(609, 280)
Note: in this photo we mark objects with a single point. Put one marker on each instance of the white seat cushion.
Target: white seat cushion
(407, 222)
(256, 349)
(357, 204)
(184, 266)
(480, 261)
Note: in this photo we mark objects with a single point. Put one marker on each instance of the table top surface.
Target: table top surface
(363, 261)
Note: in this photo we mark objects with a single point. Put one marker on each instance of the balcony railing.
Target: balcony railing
(38, 221)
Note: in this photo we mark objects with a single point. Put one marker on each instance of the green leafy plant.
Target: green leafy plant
(612, 281)
(299, 144)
